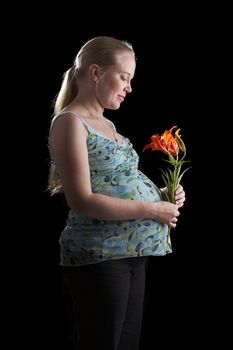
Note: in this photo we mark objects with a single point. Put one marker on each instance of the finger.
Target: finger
(180, 205)
(180, 195)
(179, 189)
(180, 201)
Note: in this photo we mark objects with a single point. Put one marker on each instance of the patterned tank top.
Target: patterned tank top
(113, 172)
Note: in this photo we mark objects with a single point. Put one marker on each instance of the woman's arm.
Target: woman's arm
(68, 143)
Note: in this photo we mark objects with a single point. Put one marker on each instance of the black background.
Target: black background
(172, 86)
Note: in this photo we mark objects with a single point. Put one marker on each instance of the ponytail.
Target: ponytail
(54, 182)
(68, 91)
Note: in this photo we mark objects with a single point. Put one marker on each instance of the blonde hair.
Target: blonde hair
(101, 50)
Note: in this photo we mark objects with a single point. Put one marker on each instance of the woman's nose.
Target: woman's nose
(128, 88)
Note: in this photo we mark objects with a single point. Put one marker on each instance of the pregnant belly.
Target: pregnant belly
(127, 186)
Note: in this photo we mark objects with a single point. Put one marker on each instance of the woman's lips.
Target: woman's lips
(121, 97)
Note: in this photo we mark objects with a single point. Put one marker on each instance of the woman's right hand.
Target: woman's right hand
(165, 212)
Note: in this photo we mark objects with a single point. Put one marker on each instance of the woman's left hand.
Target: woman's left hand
(180, 196)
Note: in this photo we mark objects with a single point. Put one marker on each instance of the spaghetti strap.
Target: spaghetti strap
(95, 132)
(87, 126)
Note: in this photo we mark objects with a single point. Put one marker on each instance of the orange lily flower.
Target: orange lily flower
(180, 141)
(166, 143)
(170, 145)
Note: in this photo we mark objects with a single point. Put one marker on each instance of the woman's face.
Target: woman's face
(115, 82)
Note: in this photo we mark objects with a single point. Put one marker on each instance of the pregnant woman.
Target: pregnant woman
(117, 218)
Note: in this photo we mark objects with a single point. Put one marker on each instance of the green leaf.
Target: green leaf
(183, 174)
(165, 181)
(165, 174)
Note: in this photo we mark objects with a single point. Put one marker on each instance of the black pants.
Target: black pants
(108, 299)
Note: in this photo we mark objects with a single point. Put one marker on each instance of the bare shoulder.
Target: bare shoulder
(67, 134)
(66, 118)
(67, 122)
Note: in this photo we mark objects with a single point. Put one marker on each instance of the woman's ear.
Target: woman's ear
(94, 72)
